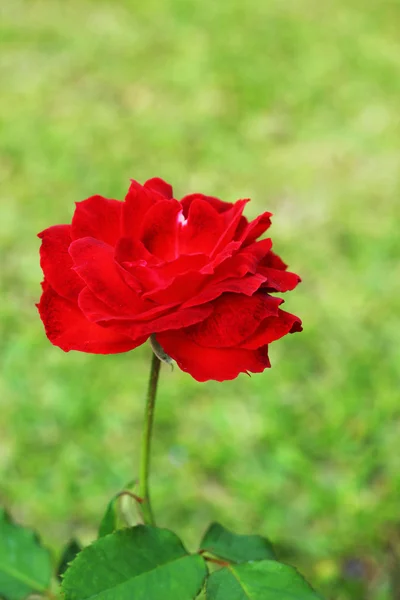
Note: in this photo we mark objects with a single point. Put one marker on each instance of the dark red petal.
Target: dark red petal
(216, 203)
(274, 261)
(99, 218)
(95, 264)
(256, 228)
(219, 364)
(279, 281)
(56, 262)
(271, 329)
(137, 202)
(160, 228)
(234, 318)
(160, 186)
(240, 285)
(202, 229)
(67, 328)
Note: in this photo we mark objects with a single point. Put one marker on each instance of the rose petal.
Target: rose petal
(202, 229)
(94, 262)
(234, 318)
(279, 281)
(67, 328)
(246, 260)
(256, 228)
(56, 262)
(160, 186)
(240, 285)
(97, 311)
(219, 364)
(176, 319)
(274, 261)
(99, 218)
(232, 219)
(182, 288)
(160, 229)
(138, 202)
(271, 329)
(216, 203)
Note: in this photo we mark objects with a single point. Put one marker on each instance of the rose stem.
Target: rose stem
(144, 492)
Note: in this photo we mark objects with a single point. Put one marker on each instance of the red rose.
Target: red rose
(191, 272)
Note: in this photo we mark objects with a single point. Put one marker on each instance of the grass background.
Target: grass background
(294, 103)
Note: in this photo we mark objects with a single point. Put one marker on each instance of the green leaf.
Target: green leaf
(69, 553)
(264, 580)
(109, 522)
(144, 563)
(25, 566)
(112, 519)
(234, 547)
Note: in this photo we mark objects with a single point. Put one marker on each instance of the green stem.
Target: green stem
(144, 492)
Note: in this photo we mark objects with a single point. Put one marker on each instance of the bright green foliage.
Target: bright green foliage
(25, 566)
(234, 547)
(69, 553)
(264, 580)
(144, 563)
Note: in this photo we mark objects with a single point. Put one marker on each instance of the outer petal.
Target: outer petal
(238, 285)
(56, 263)
(99, 218)
(204, 364)
(234, 318)
(273, 328)
(95, 264)
(256, 228)
(232, 221)
(67, 328)
(160, 186)
(279, 281)
(137, 202)
(219, 205)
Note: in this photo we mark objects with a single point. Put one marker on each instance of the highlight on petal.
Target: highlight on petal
(219, 364)
(56, 262)
(99, 218)
(67, 328)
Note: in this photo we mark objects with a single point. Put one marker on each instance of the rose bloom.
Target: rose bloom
(191, 273)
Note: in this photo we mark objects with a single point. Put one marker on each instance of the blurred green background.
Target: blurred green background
(294, 103)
